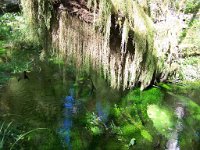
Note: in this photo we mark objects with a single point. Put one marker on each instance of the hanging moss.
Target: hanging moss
(87, 46)
(37, 14)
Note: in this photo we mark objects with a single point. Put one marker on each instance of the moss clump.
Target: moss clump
(150, 96)
(132, 117)
(139, 100)
(129, 130)
(146, 135)
(166, 86)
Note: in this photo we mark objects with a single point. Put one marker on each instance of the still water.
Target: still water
(54, 109)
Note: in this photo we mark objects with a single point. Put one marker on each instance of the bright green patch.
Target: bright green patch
(150, 96)
(96, 130)
(146, 135)
(166, 86)
(129, 130)
(163, 119)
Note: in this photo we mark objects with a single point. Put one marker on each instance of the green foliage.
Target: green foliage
(10, 26)
(93, 124)
(56, 60)
(21, 136)
(192, 6)
(11, 134)
(37, 15)
(192, 61)
(4, 132)
(116, 111)
(116, 130)
(183, 35)
(152, 96)
(16, 55)
(129, 130)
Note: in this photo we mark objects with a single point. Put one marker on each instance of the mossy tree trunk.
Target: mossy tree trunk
(113, 37)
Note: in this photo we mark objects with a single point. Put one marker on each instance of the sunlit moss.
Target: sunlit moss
(128, 130)
(96, 130)
(150, 96)
(146, 135)
(163, 119)
(166, 86)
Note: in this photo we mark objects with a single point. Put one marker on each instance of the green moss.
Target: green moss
(186, 87)
(146, 135)
(166, 86)
(150, 96)
(128, 130)
(133, 96)
(163, 119)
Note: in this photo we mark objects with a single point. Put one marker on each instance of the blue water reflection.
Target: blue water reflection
(69, 104)
(103, 112)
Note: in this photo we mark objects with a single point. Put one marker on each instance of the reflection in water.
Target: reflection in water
(32, 104)
(173, 144)
(69, 105)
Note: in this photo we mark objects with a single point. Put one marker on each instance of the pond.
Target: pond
(52, 108)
